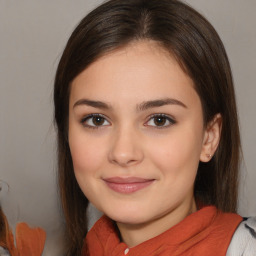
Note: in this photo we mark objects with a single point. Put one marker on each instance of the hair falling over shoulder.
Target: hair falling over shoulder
(197, 47)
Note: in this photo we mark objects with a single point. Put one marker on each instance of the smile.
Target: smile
(127, 185)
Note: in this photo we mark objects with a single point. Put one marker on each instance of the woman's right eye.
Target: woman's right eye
(94, 121)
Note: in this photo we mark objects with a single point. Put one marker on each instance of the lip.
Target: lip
(127, 185)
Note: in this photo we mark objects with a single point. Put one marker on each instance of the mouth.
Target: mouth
(127, 185)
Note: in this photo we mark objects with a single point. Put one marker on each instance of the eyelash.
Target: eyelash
(165, 117)
(86, 118)
(104, 119)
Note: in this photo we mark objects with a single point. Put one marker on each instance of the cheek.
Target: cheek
(87, 160)
(179, 153)
(86, 154)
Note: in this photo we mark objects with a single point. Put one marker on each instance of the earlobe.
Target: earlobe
(211, 139)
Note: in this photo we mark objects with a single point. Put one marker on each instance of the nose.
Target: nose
(126, 148)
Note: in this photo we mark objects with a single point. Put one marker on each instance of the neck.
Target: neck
(134, 234)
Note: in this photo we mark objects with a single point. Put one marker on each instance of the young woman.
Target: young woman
(148, 133)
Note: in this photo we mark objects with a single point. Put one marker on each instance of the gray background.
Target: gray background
(32, 37)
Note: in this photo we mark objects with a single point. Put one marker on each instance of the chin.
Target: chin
(129, 218)
(130, 221)
(126, 212)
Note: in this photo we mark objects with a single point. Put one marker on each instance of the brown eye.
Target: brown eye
(160, 121)
(94, 121)
(98, 120)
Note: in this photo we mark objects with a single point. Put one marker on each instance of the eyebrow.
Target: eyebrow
(92, 103)
(159, 103)
(141, 107)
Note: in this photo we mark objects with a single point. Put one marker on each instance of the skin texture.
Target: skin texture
(126, 142)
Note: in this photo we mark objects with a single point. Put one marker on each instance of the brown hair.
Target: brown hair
(4, 227)
(200, 52)
(4, 230)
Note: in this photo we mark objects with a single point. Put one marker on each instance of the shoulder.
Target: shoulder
(244, 239)
(29, 241)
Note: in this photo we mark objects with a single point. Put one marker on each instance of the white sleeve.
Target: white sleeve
(243, 242)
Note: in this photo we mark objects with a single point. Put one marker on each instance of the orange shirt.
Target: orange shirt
(29, 241)
(205, 232)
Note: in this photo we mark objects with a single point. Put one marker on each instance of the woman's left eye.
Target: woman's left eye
(160, 121)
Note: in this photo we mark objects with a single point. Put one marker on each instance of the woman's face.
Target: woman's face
(136, 135)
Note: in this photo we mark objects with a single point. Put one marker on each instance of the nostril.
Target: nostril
(125, 149)
(123, 161)
(125, 158)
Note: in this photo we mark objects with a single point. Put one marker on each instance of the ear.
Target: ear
(211, 138)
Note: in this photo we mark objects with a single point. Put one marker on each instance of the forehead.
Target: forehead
(141, 70)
